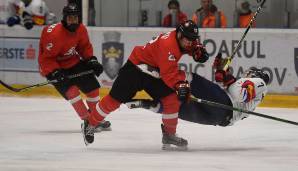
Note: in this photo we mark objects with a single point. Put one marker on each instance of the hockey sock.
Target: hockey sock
(170, 125)
(171, 106)
(103, 108)
(74, 98)
(92, 99)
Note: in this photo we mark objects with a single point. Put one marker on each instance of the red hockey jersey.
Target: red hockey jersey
(59, 48)
(162, 53)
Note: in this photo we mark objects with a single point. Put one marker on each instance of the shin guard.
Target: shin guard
(103, 108)
(74, 98)
(171, 106)
(92, 99)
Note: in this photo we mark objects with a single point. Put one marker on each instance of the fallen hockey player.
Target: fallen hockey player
(244, 93)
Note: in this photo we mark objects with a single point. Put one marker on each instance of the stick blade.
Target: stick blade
(9, 87)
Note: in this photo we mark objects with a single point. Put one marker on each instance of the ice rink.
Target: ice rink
(43, 134)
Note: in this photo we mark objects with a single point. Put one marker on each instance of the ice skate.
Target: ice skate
(152, 105)
(88, 132)
(103, 126)
(172, 141)
(146, 104)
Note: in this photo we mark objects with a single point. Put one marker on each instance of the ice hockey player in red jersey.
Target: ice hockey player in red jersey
(162, 53)
(243, 93)
(65, 50)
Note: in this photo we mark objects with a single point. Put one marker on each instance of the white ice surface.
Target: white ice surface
(43, 134)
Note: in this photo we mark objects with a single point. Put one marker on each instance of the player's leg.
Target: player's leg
(158, 90)
(75, 99)
(71, 93)
(202, 113)
(89, 85)
(124, 88)
(193, 111)
(171, 106)
(152, 105)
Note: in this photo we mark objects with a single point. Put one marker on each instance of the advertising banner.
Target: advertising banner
(19, 54)
(273, 50)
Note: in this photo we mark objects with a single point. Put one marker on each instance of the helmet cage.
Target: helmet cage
(256, 73)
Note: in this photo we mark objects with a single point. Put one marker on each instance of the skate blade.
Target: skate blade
(106, 129)
(82, 131)
(100, 129)
(171, 147)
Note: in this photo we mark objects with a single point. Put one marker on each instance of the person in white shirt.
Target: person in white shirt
(244, 93)
(29, 13)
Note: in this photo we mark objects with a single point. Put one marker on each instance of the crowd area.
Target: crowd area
(208, 15)
(26, 13)
(36, 12)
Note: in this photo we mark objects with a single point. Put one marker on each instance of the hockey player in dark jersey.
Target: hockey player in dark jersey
(65, 50)
(245, 93)
(163, 53)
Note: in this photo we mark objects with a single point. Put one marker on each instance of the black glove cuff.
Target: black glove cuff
(203, 58)
(92, 59)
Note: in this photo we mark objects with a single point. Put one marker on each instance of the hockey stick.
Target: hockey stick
(44, 83)
(228, 60)
(219, 105)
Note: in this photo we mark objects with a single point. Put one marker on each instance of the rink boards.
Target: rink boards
(271, 100)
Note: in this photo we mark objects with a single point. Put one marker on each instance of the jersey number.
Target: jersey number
(51, 27)
(165, 36)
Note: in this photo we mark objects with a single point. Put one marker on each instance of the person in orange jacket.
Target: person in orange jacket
(175, 16)
(208, 16)
(244, 15)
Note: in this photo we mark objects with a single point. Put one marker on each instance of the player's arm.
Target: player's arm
(172, 76)
(198, 52)
(222, 76)
(48, 52)
(85, 48)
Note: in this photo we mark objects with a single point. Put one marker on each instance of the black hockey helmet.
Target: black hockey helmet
(173, 2)
(257, 73)
(27, 2)
(188, 29)
(71, 9)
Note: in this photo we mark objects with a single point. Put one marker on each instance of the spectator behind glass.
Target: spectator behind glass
(244, 15)
(175, 16)
(208, 16)
(29, 13)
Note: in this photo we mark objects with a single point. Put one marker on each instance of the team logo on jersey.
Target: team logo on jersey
(296, 60)
(112, 53)
(72, 51)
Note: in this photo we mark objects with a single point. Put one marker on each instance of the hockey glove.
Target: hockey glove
(200, 54)
(93, 64)
(225, 77)
(57, 76)
(27, 20)
(11, 21)
(183, 91)
(249, 90)
(219, 62)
